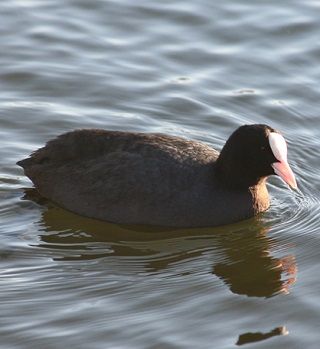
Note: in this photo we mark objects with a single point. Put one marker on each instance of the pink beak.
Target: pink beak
(281, 167)
(283, 170)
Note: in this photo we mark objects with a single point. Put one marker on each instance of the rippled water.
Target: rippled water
(196, 69)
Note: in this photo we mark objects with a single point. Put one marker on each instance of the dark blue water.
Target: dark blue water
(197, 69)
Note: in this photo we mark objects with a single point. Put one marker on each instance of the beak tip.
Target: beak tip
(283, 170)
(294, 186)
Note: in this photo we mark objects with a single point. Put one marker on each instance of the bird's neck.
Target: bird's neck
(260, 196)
(236, 177)
(242, 182)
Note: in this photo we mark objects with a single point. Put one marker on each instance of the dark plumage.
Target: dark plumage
(137, 178)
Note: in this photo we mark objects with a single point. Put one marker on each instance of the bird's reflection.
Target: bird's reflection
(242, 255)
(251, 337)
(250, 267)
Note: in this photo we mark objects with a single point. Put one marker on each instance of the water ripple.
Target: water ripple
(194, 69)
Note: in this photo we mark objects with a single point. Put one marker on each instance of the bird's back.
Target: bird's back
(130, 178)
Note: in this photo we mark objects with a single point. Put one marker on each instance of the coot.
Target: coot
(140, 178)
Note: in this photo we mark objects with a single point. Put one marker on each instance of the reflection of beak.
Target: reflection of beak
(283, 170)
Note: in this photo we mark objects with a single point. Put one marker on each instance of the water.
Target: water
(196, 69)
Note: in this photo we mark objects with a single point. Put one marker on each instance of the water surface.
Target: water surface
(196, 69)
